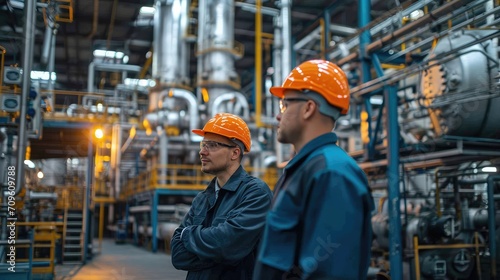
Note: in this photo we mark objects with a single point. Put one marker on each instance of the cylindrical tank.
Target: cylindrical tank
(459, 86)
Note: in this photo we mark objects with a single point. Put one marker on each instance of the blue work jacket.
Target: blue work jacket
(319, 226)
(219, 237)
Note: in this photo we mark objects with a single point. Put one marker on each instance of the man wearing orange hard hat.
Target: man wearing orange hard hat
(319, 225)
(218, 237)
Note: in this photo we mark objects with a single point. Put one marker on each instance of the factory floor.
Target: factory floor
(122, 262)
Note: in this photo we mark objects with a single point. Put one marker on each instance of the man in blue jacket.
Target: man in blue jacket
(319, 225)
(218, 237)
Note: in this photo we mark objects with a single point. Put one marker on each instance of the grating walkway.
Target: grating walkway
(122, 262)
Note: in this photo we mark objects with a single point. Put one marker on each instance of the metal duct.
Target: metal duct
(171, 50)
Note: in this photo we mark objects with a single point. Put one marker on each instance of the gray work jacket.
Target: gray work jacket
(219, 237)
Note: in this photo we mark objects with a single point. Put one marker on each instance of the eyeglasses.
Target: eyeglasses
(284, 102)
(212, 146)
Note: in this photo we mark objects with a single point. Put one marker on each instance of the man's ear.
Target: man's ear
(236, 154)
(310, 109)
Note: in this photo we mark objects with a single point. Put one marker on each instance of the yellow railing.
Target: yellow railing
(184, 177)
(45, 236)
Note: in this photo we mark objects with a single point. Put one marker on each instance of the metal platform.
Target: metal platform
(122, 262)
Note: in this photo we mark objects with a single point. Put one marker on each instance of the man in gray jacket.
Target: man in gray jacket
(218, 236)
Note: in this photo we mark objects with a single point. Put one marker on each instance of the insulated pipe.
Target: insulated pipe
(108, 67)
(192, 107)
(171, 51)
(258, 63)
(491, 224)
(286, 18)
(441, 11)
(29, 40)
(229, 96)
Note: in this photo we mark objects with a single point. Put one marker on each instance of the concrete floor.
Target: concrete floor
(122, 262)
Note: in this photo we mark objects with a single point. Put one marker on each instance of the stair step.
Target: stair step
(72, 246)
(72, 254)
(75, 215)
(72, 238)
(72, 262)
(73, 230)
(74, 223)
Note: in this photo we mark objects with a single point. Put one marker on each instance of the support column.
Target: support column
(395, 247)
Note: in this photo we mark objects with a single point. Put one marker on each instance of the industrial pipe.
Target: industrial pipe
(491, 223)
(229, 96)
(2, 52)
(258, 63)
(192, 106)
(446, 8)
(29, 40)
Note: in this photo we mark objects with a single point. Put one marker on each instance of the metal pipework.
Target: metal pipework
(216, 45)
(171, 51)
(124, 68)
(491, 223)
(241, 104)
(192, 106)
(441, 11)
(29, 40)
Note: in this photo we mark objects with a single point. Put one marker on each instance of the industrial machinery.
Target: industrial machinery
(423, 125)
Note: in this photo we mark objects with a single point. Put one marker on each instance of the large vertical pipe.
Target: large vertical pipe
(395, 247)
(258, 62)
(171, 50)
(52, 61)
(286, 63)
(492, 224)
(29, 40)
(286, 18)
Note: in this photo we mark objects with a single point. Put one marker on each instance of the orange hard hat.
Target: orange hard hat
(322, 77)
(228, 125)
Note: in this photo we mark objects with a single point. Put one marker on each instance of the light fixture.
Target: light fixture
(139, 82)
(43, 75)
(29, 163)
(489, 169)
(39, 174)
(98, 133)
(147, 11)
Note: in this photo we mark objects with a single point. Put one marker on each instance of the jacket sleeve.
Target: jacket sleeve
(181, 258)
(236, 237)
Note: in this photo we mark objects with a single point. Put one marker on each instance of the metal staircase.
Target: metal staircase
(73, 236)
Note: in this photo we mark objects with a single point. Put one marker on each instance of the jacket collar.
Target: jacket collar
(322, 140)
(234, 181)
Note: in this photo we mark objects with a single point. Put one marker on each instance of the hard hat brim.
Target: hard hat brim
(200, 132)
(280, 91)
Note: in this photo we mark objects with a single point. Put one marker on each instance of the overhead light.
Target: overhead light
(29, 163)
(40, 174)
(376, 100)
(489, 169)
(108, 54)
(98, 133)
(43, 75)
(139, 82)
(147, 11)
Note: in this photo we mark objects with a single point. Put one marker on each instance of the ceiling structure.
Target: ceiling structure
(114, 24)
